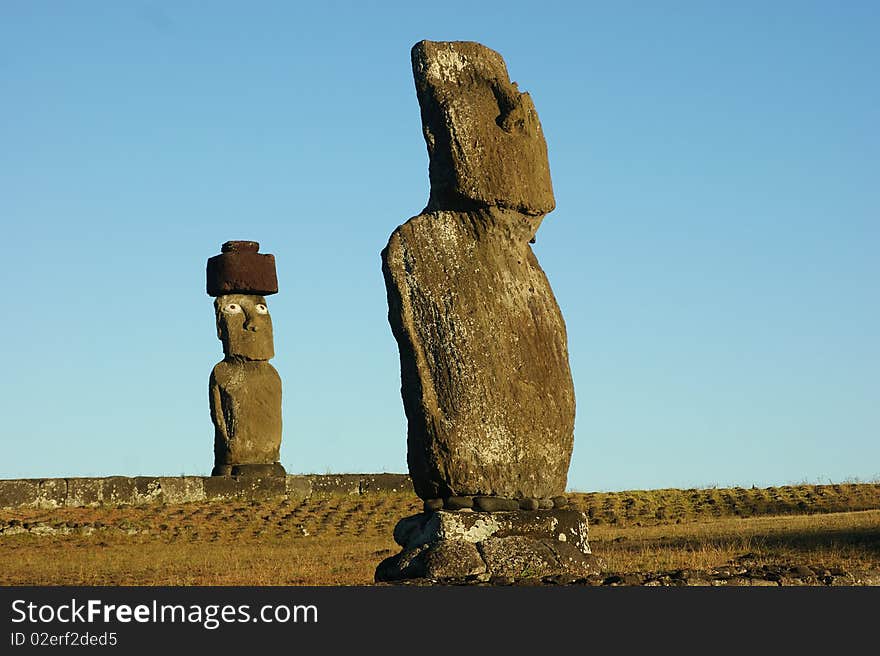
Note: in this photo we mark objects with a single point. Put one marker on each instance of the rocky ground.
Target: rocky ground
(739, 574)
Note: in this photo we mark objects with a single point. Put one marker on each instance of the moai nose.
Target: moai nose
(250, 324)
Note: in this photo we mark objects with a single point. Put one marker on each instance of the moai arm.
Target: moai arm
(217, 414)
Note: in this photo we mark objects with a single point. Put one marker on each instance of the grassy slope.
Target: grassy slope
(338, 540)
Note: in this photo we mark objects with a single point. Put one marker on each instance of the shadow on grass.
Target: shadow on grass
(864, 541)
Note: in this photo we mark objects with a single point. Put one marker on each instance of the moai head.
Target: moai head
(484, 139)
(244, 326)
(239, 279)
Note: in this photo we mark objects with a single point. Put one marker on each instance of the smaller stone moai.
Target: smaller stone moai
(244, 389)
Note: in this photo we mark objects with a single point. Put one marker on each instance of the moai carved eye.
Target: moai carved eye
(261, 309)
(232, 308)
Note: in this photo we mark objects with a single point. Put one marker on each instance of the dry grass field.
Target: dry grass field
(339, 540)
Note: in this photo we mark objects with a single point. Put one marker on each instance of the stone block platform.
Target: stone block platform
(137, 490)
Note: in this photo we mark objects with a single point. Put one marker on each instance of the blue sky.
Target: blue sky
(714, 247)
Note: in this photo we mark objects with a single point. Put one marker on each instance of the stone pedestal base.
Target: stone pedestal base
(250, 471)
(464, 545)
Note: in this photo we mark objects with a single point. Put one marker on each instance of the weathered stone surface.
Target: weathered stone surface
(495, 504)
(560, 501)
(458, 503)
(182, 489)
(60, 492)
(298, 486)
(564, 525)
(453, 559)
(486, 383)
(502, 561)
(85, 491)
(39, 493)
(118, 490)
(147, 489)
(336, 484)
(240, 269)
(408, 532)
(408, 564)
(15, 493)
(529, 504)
(432, 504)
(484, 139)
(385, 483)
(461, 545)
(572, 560)
(222, 487)
(245, 390)
(257, 470)
(52, 493)
(518, 556)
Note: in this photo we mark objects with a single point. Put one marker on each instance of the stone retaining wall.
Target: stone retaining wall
(122, 490)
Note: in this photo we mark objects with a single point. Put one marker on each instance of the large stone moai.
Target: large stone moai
(486, 385)
(244, 389)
